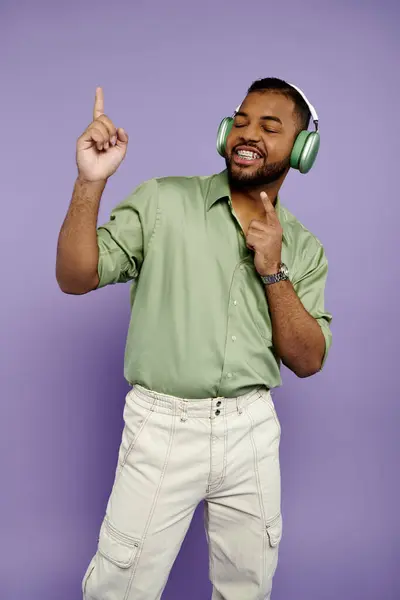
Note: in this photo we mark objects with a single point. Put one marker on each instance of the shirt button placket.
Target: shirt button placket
(233, 315)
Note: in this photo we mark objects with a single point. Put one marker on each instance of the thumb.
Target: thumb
(122, 137)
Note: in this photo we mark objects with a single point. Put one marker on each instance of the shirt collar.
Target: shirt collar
(219, 189)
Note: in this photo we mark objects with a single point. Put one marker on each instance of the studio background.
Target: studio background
(170, 71)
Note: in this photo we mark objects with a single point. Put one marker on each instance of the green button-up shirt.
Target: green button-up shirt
(200, 325)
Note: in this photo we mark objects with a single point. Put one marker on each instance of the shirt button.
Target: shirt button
(229, 375)
(235, 302)
(219, 403)
(217, 412)
(234, 338)
(241, 268)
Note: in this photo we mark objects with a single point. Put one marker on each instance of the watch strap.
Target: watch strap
(275, 278)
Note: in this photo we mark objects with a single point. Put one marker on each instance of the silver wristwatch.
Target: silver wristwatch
(282, 275)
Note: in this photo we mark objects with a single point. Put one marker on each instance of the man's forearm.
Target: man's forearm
(297, 336)
(77, 250)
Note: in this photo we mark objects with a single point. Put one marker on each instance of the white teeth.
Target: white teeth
(247, 154)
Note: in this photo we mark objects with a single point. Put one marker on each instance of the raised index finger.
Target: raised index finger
(270, 212)
(98, 104)
(269, 207)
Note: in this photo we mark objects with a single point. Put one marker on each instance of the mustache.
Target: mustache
(249, 145)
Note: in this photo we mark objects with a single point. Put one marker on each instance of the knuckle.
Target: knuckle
(93, 130)
(106, 121)
(97, 135)
(97, 123)
(100, 128)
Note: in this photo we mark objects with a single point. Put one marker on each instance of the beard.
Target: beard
(248, 178)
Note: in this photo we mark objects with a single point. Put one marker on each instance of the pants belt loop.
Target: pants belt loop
(183, 407)
(238, 406)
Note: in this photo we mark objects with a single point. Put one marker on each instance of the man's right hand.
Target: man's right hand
(101, 148)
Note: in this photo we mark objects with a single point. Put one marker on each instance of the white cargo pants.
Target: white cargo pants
(174, 454)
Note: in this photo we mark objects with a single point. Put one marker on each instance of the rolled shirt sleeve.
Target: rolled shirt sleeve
(310, 288)
(123, 241)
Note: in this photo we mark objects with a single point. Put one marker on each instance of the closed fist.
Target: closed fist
(102, 147)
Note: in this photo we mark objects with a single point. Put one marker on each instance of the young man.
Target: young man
(227, 285)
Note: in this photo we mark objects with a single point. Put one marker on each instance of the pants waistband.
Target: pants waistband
(199, 408)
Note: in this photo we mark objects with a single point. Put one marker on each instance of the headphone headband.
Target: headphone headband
(313, 112)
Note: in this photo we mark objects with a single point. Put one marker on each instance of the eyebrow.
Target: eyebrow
(263, 118)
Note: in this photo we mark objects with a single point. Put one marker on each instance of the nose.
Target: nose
(251, 133)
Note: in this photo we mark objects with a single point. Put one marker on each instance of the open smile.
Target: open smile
(246, 155)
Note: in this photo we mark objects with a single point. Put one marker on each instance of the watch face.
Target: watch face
(284, 270)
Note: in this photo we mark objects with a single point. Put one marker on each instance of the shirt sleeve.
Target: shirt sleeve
(123, 241)
(310, 288)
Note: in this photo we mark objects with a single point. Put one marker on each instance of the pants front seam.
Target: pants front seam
(262, 511)
(218, 483)
(172, 432)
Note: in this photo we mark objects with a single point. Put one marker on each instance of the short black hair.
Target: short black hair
(278, 86)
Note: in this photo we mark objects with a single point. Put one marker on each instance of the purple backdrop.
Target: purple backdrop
(170, 71)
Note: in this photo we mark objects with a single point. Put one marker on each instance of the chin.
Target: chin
(247, 177)
(253, 177)
(239, 172)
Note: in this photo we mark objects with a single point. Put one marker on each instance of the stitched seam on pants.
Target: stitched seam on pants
(219, 482)
(273, 411)
(120, 467)
(135, 439)
(210, 473)
(172, 432)
(257, 475)
(210, 554)
(88, 573)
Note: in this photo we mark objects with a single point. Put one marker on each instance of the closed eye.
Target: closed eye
(238, 125)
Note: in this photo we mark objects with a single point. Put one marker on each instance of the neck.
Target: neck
(251, 196)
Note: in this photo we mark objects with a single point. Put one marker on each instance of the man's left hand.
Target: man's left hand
(265, 238)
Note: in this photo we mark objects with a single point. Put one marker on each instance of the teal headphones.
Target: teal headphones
(305, 148)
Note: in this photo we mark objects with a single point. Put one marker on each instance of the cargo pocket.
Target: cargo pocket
(116, 561)
(119, 549)
(273, 535)
(274, 531)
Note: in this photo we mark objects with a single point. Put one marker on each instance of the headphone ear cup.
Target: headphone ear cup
(222, 135)
(305, 151)
(298, 149)
(310, 151)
